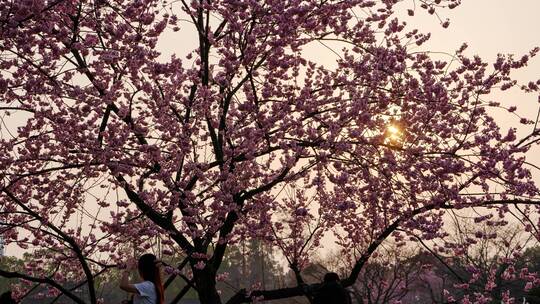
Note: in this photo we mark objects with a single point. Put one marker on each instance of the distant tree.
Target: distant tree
(249, 264)
(486, 263)
(388, 278)
(391, 276)
(481, 265)
(9, 263)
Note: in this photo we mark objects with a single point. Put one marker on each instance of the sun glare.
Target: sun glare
(393, 130)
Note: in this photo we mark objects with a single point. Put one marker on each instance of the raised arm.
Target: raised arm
(125, 285)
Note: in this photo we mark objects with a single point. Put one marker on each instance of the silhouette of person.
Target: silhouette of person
(6, 298)
(331, 291)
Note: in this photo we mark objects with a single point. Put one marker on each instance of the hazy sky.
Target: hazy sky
(489, 27)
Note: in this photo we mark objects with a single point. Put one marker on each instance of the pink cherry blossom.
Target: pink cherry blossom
(109, 146)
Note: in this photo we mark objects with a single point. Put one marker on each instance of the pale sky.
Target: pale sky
(489, 27)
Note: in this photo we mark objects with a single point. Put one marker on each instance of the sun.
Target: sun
(393, 132)
(392, 129)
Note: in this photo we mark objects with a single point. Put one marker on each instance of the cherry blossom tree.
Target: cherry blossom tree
(109, 148)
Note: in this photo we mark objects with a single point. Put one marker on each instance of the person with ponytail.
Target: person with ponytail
(150, 290)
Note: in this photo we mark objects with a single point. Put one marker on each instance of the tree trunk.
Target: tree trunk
(206, 288)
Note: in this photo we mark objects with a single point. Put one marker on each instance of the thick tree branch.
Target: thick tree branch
(155, 216)
(74, 246)
(48, 281)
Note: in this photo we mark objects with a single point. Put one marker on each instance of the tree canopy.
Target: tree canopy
(109, 147)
